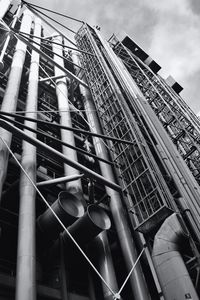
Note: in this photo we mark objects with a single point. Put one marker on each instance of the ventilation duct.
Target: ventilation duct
(67, 207)
(86, 228)
(172, 273)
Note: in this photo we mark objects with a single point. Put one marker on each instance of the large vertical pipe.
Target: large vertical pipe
(26, 257)
(101, 244)
(4, 6)
(137, 280)
(3, 51)
(105, 264)
(9, 103)
(65, 117)
(172, 272)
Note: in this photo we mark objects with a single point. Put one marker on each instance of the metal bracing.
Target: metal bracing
(180, 123)
(138, 171)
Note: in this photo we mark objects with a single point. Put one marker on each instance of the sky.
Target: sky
(168, 30)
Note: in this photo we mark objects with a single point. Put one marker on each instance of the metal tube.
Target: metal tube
(49, 150)
(11, 94)
(20, 125)
(15, 18)
(26, 256)
(68, 128)
(59, 180)
(173, 275)
(173, 161)
(101, 248)
(65, 117)
(4, 4)
(71, 75)
(137, 280)
(48, 23)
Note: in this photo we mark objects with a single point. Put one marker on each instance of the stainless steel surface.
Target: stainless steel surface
(26, 256)
(174, 278)
(11, 94)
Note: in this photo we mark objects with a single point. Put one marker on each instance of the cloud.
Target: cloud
(175, 43)
(175, 40)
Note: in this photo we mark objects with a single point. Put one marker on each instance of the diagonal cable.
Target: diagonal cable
(58, 219)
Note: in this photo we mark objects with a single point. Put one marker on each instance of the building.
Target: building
(99, 172)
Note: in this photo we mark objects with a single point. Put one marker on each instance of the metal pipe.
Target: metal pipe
(15, 18)
(174, 278)
(137, 280)
(64, 46)
(100, 246)
(65, 117)
(63, 272)
(86, 228)
(67, 207)
(48, 23)
(11, 94)
(20, 125)
(26, 256)
(59, 180)
(67, 128)
(48, 58)
(49, 150)
(51, 78)
(172, 160)
(4, 4)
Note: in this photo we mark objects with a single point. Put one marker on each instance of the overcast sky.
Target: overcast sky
(169, 30)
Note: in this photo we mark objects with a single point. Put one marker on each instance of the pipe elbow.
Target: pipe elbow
(173, 275)
(170, 235)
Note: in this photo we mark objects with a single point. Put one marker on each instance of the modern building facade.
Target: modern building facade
(99, 168)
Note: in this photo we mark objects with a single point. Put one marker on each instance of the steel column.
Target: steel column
(26, 256)
(65, 116)
(137, 280)
(11, 94)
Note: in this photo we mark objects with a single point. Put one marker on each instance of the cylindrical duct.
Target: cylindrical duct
(86, 228)
(67, 207)
(65, 116)
(11, 94)
(137, 280)
(100, 244)
(26, 257)
(102, 253)
(174, 278)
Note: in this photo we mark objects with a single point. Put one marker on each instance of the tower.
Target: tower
(99, 169)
